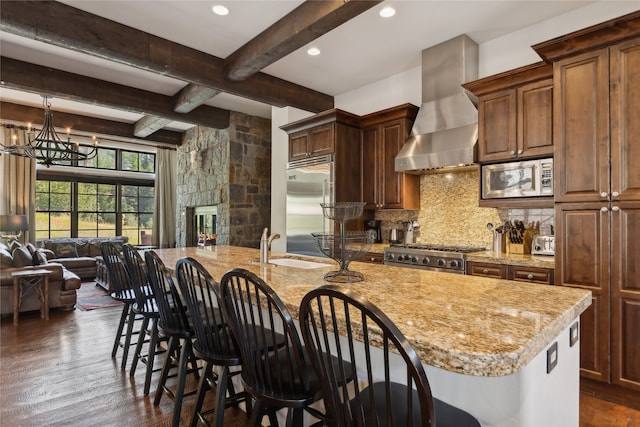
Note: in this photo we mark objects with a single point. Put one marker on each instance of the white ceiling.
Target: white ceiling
(366, 49)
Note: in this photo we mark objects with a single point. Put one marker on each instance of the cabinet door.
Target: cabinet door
(370, 166)
(582, 261)
(625, 125)
(392, 136)
(581, 127)
(625, 302)
(535, 119)
(298, 143)
(497, 125)
(321, 140)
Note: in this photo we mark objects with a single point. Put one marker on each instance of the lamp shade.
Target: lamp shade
(13, 223)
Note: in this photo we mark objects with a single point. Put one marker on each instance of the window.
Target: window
(53, 209)
(88, 204)
(96, 210)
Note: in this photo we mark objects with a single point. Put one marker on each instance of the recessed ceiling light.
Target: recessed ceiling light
(387, 12)
(220, 10)
(313, 51)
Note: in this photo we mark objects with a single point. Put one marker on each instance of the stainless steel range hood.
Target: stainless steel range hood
(445, 131)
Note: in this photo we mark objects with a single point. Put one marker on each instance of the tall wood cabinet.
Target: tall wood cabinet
(597, 194)
(383, 134)
(333, 132)
(515, 114)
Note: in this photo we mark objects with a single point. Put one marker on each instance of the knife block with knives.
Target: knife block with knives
(519, 237)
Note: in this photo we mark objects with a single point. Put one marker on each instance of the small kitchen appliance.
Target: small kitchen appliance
(396, 234)
(373, 227)
(530, 178)
(543, 244)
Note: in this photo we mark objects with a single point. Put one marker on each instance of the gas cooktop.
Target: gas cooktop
(440, 248)
(448, 258)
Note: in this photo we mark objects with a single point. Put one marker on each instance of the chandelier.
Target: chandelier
(48, 148)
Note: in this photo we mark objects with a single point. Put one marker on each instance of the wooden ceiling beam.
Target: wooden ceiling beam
(90, 34)
(42, 80)
(34, 115)
(192, 96)
(304, 24)
(148, 125)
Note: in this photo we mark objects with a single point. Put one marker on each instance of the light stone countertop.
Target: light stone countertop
(465, 324)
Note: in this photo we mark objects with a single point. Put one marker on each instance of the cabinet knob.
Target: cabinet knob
(373, 259)
(530, 276)
(513, 153)
(604, 209)
(604, 194)
(615, 209)
(485, 271)
(615, 194)
(520, 151)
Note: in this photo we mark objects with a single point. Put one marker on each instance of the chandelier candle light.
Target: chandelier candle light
(48, 148)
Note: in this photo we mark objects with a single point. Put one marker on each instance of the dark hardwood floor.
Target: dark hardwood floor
(60, 373)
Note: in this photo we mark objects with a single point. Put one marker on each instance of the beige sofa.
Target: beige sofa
(62, 282)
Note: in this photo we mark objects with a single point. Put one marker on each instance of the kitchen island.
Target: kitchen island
(486, 344)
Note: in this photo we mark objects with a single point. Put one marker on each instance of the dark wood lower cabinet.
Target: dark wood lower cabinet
(598, 248)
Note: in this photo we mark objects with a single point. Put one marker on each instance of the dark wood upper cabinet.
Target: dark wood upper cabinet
(317, 135)
(597, 194)
(383, 134)
(515, 114)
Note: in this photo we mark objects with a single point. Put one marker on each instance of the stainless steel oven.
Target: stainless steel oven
(446, 258)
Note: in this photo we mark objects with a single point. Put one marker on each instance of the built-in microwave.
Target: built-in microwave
(529, 178)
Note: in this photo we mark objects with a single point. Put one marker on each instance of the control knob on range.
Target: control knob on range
(425, 260)
(441, 262)
(414, 259)
(454, 263)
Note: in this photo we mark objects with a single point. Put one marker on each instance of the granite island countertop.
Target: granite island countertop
(465, 324)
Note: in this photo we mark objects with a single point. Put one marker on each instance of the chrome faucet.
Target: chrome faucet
(265, 245)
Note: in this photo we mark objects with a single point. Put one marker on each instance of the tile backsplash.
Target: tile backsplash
(449, 211)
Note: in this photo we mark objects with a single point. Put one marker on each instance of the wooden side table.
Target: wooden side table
(23, 281)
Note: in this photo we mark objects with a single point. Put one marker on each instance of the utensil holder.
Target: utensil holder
(497, 243)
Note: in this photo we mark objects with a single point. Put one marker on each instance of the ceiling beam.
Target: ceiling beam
(90, 34)
(304, 24)
(148, 125)
(33, 78)
(191, 96)
(35, 115)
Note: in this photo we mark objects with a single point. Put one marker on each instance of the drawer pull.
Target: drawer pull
(530, 276)
(485, 271)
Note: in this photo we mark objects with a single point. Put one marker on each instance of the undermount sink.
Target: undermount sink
(297, 263)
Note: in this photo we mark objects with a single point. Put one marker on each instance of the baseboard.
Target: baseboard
(610, 392)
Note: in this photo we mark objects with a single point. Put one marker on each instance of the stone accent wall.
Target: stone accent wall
(229, 168)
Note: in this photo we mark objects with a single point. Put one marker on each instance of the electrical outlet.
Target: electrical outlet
(574, 334)
(552, 357)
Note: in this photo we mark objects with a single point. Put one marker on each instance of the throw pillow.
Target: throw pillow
(31, 247)
(14, 244)
(6, 260)
(21, 257)
(41, 257)
(66, 250)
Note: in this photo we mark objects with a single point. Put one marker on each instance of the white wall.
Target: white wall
(279, 159)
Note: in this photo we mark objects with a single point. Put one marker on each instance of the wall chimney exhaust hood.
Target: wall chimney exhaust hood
(445, 132)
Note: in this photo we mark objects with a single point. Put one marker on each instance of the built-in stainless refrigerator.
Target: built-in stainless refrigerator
(309, 183)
